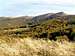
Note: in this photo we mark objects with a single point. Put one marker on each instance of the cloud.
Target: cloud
(35, 7)
(58, 1)
(69, 2)
(10, 2)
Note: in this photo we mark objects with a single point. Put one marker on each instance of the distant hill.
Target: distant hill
(41, 17)
(14, 22)
(60, 15)
(8, 22)
(48, 16)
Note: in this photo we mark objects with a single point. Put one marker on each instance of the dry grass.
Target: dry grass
(32, 47)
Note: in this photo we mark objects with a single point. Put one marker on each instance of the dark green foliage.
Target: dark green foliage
(53, 35)
(22, 27)
(73, 35)
(72, 22)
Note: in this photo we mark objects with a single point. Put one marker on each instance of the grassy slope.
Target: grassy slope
(12, 45)
(15, 22)
(30, 47)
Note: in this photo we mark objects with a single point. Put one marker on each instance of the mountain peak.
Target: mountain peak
(60, 13)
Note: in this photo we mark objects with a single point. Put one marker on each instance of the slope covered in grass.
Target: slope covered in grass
(44, 35)
(40, 47)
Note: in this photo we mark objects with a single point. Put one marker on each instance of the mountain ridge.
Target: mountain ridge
(24, 20)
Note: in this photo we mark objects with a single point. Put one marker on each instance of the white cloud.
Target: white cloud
(46, 1)
(60, 2)
(27, 6)
(43, 1)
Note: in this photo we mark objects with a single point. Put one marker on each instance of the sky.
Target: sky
(35, 7)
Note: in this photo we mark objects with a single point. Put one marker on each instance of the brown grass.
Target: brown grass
(31, 47)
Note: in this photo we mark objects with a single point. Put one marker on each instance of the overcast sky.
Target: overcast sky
(35, 7)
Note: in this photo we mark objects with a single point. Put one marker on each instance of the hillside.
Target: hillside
(51, 34)
(13, 22)
(60, 15)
